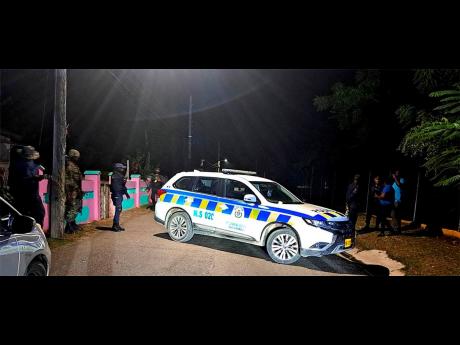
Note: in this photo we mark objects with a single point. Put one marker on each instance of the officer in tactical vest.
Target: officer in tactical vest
(118, 189)
(73, 191)
(28, 199)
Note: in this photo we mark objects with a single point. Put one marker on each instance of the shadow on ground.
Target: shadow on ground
(330, 263)
(104, 228)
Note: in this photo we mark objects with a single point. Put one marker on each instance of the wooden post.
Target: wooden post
(368, 191)
(414, 217)
(57, 199)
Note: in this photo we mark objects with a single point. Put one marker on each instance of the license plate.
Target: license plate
(347, 242)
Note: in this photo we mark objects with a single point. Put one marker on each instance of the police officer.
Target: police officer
(27, 193)
(73, 191)
(352, 198)
(118, 189)
(13, 173)
(156, 184)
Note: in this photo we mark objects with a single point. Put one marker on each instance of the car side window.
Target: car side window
(236, 189)
(209, 185)
(185, 183)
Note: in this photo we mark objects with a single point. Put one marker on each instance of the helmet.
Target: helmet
(74, 154)
(29, 152)
(119, 166)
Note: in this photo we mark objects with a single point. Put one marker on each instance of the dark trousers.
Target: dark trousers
(117, 203)
(353, 213)
(373, 209)
(32, 206)
(396, 216)
(384, 212)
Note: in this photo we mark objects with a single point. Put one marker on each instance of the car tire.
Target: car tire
(36, 268)
(180, 227)
(283, 246)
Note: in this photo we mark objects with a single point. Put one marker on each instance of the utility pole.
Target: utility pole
(190, 134)
(59, 147)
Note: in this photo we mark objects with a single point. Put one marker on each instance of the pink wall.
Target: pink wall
(43, 189)
(92, 201)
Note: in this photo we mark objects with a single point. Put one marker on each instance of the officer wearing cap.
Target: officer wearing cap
(27, 193)
(73, 191)
(118, 189)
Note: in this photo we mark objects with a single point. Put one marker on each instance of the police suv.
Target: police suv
(241, 206)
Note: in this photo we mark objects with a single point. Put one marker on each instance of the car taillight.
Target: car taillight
(160, 192)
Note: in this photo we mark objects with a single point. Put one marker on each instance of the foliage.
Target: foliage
(427, 80)
(346, 103)
(438, 141)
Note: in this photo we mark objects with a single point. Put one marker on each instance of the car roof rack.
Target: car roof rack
(239, 172)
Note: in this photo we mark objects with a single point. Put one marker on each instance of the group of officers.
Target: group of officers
(24, 177)
(386, 199)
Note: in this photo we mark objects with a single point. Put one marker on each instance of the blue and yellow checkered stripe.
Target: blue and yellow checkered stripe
(268, 215)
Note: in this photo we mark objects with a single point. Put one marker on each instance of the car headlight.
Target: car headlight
(316, 223)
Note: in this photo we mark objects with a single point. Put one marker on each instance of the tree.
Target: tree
(437, 138)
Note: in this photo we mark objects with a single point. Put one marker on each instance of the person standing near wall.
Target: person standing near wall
(73, 191)
(118, 189)
(27, 192)
(157, 182)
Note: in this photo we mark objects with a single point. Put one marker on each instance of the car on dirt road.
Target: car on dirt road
(24, 250)
(240, 206)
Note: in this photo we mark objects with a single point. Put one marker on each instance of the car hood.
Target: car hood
(313, 211)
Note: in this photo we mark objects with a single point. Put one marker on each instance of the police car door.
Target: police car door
(243, 221)
(9, 252)
(203, 205)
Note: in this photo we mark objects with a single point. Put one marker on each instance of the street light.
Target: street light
(215, 165)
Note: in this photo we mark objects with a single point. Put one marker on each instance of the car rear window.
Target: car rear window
(185, 183)
(209, 185)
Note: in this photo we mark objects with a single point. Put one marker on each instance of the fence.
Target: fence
(97, 204)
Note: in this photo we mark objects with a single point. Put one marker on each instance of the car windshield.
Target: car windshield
(276, 193)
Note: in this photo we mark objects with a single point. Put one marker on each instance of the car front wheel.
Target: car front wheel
(283, 246)
(180, 227)
(36, 268)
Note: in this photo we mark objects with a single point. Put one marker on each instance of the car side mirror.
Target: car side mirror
(250, 198)
(23, 225)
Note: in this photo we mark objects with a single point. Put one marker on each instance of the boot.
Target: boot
(75, 226)
(68, 228)
(116, 227)
(121, 228)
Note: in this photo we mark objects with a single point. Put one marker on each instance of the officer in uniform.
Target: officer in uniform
(156, 184)
(352, 199)
(27, 194)
(118, 189)
(73, 191)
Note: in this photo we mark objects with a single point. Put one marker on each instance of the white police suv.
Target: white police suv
(240, 206)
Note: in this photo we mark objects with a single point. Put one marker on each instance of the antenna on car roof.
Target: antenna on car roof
(240, 172)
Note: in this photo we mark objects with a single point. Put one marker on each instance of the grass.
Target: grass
(422, 254)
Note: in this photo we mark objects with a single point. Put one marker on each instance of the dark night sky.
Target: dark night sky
(263, 118)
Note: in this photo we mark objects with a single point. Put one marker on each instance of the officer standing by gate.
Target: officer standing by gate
(118, 189)
(73, 191)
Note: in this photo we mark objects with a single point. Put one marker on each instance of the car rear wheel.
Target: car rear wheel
(36, 268)
(283, 246)
(180, 227)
